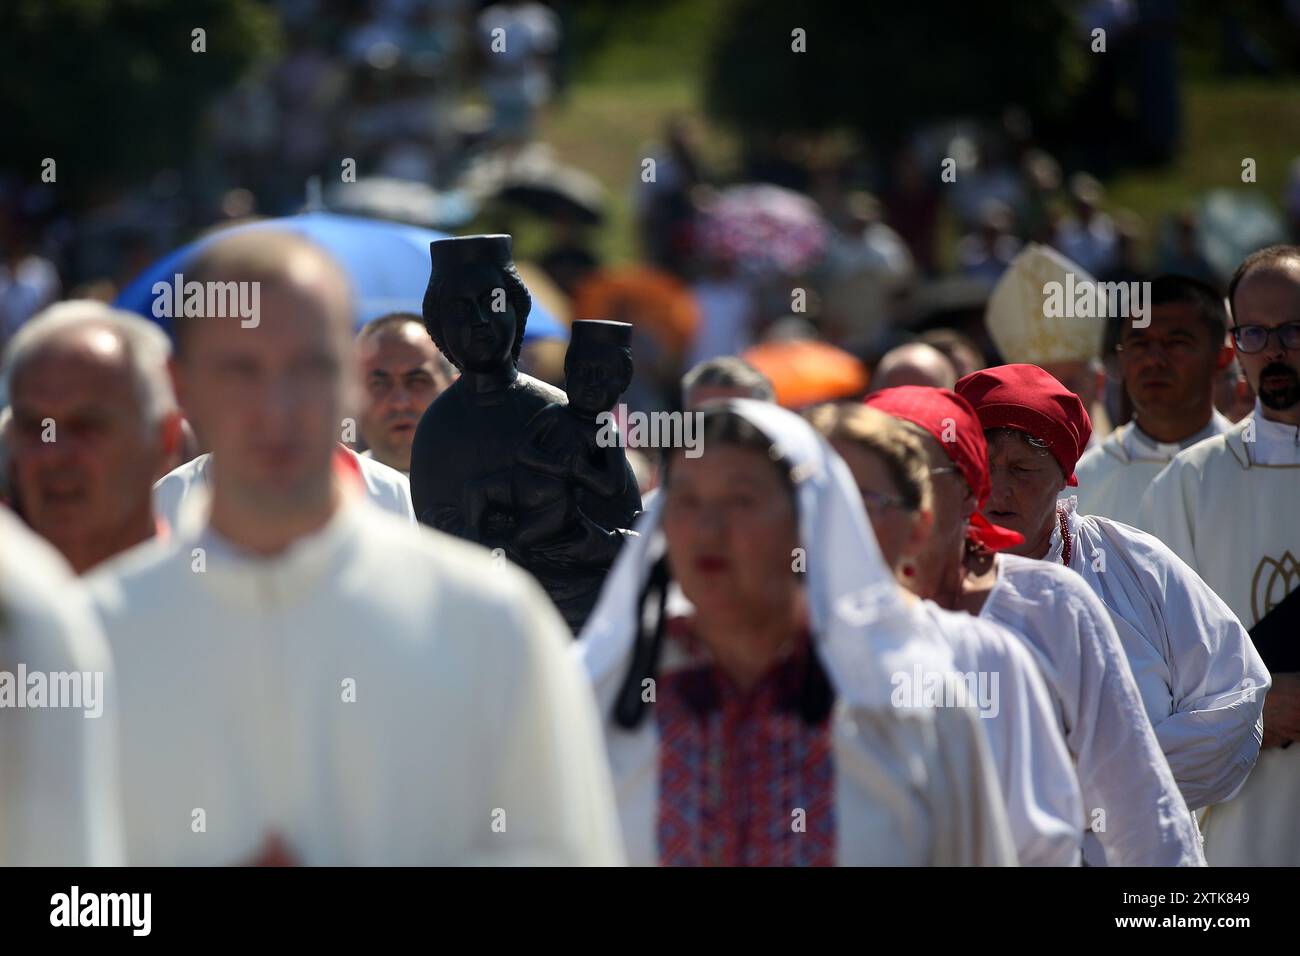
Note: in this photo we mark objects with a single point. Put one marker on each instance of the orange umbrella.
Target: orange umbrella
(805, 371)
(653, 301)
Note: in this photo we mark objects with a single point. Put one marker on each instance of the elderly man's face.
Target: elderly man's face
(478, 318)
(402, 373)
(268, 401)
(84, 455)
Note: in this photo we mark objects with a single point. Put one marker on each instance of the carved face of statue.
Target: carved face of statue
(477, 317)
(594, 378)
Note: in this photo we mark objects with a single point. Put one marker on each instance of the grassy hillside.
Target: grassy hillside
(649, 67)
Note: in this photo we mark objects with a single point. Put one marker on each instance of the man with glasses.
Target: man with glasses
(1229, 507)
(1170, 367)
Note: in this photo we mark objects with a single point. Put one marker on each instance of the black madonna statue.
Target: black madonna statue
(508, 461)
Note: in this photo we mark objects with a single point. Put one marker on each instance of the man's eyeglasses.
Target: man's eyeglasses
(1254, 338)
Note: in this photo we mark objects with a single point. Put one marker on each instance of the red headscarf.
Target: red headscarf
(1028, 399)
(954, 425)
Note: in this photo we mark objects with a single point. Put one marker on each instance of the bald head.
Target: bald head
(255, 261)
(914, 364)
(268, 397)
(94, 423)
(92, 332)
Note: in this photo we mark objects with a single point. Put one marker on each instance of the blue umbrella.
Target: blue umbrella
(387, 262)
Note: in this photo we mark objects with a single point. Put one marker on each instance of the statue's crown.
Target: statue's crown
(592, 332)
(448, 254)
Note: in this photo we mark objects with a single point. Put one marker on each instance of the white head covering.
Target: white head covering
(862, 628)
(1015, 319)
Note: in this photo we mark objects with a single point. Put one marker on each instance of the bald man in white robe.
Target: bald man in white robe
(306, 678)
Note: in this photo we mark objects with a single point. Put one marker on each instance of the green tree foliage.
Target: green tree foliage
(880, 68)
(112, 89)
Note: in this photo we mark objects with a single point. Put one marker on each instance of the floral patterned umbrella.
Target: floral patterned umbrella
(764, 229)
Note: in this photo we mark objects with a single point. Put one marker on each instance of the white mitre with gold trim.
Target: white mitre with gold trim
(1021, 325)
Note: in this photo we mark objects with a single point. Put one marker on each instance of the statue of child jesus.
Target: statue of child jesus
(560, 460)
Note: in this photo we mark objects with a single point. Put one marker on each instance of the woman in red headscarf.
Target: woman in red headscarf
(1044, 804)
(1201, 681)
(1144, 821)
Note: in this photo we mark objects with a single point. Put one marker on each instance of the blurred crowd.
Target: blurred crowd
(964, 453)
(411, 91)
(856, 251)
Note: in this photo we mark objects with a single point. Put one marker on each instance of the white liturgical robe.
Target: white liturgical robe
(1036, 775)
(1135, 815)
(369, 453)
(1230, 508)
(1195, 667)
(387, 488)
(377, 694)
(58, 786)
(1113, 475)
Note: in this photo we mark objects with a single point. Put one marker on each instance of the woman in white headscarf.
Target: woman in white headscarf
(754, 661)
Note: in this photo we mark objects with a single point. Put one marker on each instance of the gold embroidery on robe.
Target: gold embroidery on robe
(1274, 580)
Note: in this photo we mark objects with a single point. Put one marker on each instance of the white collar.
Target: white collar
(369, 453)
(1273, 439)
(260, 583)
(1139, 446)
